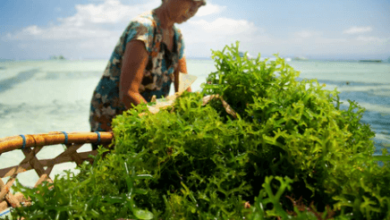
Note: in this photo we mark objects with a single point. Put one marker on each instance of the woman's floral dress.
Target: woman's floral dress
(158, 74)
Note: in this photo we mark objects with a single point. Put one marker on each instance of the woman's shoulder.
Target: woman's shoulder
(178, 34)
(177, 31)
(140, 28)
(145, 19)
(179, 41)
(143, 24)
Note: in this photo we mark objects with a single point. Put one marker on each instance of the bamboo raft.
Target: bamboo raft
(30, 145)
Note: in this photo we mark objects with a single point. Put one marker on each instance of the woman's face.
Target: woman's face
(182, 10)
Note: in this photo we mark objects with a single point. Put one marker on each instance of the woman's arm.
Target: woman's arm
(182, 67)
(133, 65)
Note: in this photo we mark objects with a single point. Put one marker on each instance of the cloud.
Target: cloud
(203, 34)
(90, 21)
(59, 33)
(108, 12)
(306, 34)
(210, 9)
(371, 39)
(224, 26)
(32, 30)
(91, 32)
(95, 28)
(94, 20)
(357, 30)
(102, 19)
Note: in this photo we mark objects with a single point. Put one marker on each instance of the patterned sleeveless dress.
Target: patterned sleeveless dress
(158, 74)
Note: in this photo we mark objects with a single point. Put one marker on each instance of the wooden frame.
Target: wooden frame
(31, 145)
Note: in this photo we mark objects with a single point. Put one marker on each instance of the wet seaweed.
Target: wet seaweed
(291, 153)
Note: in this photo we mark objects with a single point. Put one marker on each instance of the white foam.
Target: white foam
(382, 137)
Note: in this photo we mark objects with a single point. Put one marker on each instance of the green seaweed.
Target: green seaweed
(291, 153)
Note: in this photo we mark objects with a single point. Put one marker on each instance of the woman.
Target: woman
(146, 60)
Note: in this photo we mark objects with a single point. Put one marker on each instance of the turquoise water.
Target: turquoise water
(366, 83)
(44, 96)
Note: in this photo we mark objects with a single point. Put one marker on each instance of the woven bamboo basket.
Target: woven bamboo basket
(30, 145)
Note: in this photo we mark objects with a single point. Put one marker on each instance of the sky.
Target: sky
(89, 29)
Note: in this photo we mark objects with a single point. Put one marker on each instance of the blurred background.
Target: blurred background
(53, 53)
(89, 29)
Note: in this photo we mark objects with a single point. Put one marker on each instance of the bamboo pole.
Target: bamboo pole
(16, 142)
(31, 145)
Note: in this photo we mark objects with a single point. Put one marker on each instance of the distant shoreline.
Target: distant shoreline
(371, 61)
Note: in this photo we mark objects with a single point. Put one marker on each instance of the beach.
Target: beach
(54, 95)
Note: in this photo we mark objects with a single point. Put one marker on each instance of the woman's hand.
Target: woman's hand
(134, 63)
(182, 68)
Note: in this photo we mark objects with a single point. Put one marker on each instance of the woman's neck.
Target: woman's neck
(163, 15)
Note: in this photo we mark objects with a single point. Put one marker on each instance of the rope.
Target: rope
(24, 141)
(98, 141)
(66, 137)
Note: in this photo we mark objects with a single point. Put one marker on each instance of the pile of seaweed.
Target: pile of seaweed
(289, 152)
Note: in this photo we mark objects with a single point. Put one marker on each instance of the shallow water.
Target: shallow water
(43, 96)
(366, 83)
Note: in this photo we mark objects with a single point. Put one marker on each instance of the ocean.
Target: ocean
(54, 95)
